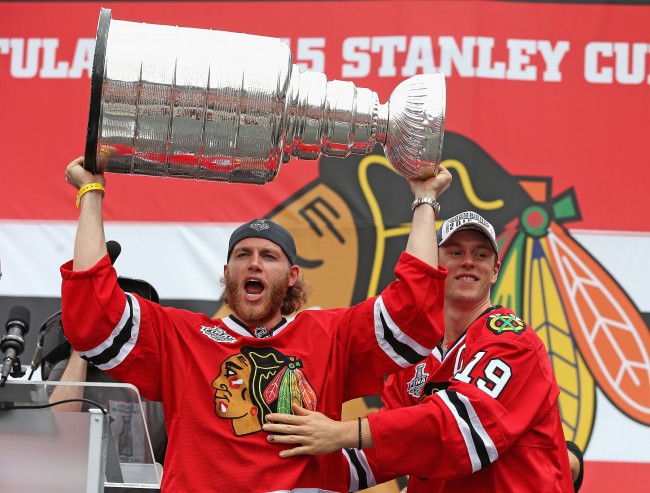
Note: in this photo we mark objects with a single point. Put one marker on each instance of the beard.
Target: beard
(255, 315)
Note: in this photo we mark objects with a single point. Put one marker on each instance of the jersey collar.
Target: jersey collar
(258, 332)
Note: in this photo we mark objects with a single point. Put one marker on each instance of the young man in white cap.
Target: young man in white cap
(479, 414)
(219, 378)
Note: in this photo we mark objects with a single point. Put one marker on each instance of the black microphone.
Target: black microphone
(114, 250)
(38, 353)
(13, 343)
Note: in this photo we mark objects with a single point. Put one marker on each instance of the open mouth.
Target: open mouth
(254, 288)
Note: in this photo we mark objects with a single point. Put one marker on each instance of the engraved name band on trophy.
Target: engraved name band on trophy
(220, 106)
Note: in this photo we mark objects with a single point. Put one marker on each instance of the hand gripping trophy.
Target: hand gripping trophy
(220, 106)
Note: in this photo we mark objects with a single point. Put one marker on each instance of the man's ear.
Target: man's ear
(294, 271)
(495, 273)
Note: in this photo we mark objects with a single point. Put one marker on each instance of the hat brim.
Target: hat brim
(475, 226)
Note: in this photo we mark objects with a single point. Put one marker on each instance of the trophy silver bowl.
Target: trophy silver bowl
(213, 105)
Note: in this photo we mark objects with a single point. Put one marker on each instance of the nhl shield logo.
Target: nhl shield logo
(262, 332)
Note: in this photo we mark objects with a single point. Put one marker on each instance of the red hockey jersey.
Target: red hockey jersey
(217, 381)
(483, 417)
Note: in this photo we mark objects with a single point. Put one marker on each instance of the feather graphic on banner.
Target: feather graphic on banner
(588, 324)
(526, 282)
(609, 330)
(527, 285)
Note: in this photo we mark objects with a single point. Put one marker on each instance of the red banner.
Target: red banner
(552, 90)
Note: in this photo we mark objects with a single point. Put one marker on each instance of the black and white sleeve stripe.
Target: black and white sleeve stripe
(402, 349)
(480, 447)
(117, 346)
(361, 476)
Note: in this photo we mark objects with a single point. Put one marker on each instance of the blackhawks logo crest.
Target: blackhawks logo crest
(505, 322)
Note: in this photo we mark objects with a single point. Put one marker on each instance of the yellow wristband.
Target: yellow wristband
(87, 188)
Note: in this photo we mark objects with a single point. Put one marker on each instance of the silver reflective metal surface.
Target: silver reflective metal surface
(220, 106)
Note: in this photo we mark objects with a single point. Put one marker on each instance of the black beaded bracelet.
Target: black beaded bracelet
(360, 444)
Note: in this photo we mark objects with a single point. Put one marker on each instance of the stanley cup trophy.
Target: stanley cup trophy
(219, 106)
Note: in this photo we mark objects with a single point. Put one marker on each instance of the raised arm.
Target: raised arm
(90, 242)
(401, 325)
(422, 238)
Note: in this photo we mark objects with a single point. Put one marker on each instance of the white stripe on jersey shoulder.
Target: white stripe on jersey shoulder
(387, 323)
(354, 471)
(133, 313)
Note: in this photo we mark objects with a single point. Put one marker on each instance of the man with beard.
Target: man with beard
(219, 378)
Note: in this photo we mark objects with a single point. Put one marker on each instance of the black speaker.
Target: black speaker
(55, 345)
(139, 287)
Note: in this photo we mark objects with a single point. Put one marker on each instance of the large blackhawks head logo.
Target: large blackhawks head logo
(256, 382)
(351, 225)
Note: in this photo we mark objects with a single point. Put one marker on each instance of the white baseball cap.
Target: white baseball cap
(467, 220)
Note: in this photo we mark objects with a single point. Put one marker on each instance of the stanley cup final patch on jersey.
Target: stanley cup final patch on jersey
(414, 387)
(217, 334)
(505, 322)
